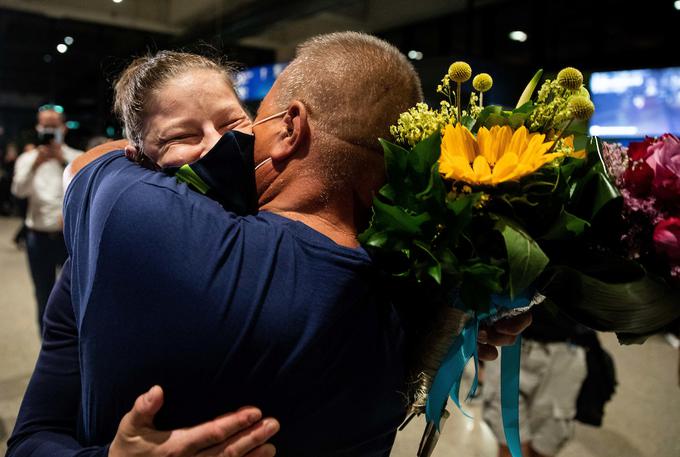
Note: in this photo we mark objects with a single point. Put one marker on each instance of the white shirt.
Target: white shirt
(43, 188)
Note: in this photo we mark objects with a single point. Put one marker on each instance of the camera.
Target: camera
(47, 135)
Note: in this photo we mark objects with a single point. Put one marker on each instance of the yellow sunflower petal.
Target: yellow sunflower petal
(506, 168)
(518, 142)
(502, 141)
(482, 170)
(457, 168)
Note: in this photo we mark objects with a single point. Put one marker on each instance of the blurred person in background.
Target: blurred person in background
(7, 160)
(565, 376)
(22, 207)
(38, 178)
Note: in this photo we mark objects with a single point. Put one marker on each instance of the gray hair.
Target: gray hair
(354, 87)
(353, 84)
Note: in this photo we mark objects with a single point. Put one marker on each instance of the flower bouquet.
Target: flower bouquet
(647, 174)
(487, 211)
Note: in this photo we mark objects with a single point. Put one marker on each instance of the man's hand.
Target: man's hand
(44, 154)
(242, 433)
(502, 333)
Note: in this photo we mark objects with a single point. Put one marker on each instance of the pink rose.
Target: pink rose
(664, 159)
(667, 238)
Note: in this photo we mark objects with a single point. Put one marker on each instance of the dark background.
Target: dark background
(591, 35)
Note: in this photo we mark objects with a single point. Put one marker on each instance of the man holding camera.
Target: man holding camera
(38, 177)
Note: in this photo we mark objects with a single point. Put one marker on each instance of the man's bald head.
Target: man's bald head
(354, 85)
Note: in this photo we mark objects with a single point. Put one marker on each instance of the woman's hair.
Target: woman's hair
(147, 74)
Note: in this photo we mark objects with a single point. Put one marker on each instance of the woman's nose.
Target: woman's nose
(211, 136)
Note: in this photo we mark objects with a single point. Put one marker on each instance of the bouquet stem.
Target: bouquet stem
(447, 324)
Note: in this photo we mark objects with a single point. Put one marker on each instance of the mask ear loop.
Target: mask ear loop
(268, 159)
(261, 121)
(269, 118)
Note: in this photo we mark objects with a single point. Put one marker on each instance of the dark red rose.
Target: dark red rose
(639, 150)
(638, 179)
(667, 238)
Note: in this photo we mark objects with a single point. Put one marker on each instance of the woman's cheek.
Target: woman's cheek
(179, 155)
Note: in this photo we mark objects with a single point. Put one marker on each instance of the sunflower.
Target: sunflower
(495, 156)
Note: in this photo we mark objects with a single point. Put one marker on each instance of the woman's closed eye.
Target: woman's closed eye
(178, 137)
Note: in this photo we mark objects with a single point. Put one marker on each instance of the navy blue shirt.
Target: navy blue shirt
(220, 310)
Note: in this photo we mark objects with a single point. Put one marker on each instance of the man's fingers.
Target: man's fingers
(145, 408)
(513, 325)
(249, 442)
(493, 338)
(217, 430)
(486, 352)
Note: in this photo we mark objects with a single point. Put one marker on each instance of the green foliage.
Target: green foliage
(526, 260)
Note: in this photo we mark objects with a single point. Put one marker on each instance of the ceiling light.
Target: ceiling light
(117, 1)
(676, 4)
(62, 48)
(68, 40)
(518, 35)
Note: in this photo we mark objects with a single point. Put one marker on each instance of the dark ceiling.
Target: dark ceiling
(592, 35)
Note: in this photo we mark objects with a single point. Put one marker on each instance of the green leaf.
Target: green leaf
(394, 218)
(495, 119)
(637, 307)
(516, 120)
(529, 90)
(484, 114)
(388, 192)
(566, 226)
(434, 268)
(468, 122)
(525, 257)
(396, 161)
(526, 108)
(377, 239)
(436, 189)
(480, 280)
(425, 154)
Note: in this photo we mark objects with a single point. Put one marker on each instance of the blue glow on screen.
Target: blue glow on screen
(254, 83)
(635, 103)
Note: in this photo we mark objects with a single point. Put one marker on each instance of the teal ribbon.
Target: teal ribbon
(510, 357)
(448, 379)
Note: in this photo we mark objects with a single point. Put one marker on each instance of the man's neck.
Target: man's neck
(306, 201)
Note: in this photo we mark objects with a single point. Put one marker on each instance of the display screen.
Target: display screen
(635, 103)
(254, 83)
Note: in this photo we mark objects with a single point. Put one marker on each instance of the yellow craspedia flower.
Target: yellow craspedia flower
(495, 156)
(580, 107)
(460, 72)
(570, 78)
(482, 82)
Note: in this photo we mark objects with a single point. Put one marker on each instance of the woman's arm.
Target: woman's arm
(47, 422)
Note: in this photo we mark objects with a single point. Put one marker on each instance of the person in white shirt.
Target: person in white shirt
(38, 177)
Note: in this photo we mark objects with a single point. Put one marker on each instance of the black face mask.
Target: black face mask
(225, 174)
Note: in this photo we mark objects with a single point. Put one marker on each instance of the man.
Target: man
(38, 177)
(281, 309)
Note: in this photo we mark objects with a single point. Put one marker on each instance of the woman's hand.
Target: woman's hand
(242, 433)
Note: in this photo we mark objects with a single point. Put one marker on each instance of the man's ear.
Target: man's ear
(295, 132)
